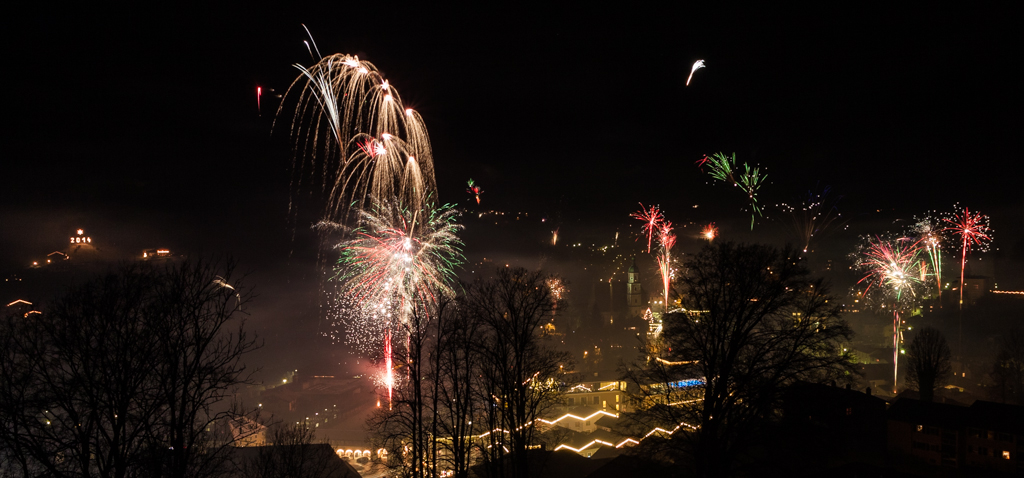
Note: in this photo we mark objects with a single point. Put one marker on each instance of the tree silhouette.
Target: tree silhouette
(928, 364)
(519, 374)
(1008, 371)
(124, 375)
(753, 324)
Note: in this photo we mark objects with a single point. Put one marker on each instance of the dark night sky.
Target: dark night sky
(142, 123)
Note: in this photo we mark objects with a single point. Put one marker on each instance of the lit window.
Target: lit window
(1006, 455)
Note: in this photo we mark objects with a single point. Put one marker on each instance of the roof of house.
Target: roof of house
(908, 410)
(554, 464)
(997, 416)
(606, 421)
(828, 393)
(313, 460)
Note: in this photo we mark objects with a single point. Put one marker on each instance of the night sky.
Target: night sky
(141, 125)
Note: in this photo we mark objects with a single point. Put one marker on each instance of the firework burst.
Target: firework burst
(652, 219)
(400, 256)
(558, 291)
(816, 215)
(972, 231)
(396, 262)
(373, 160)
(350, 125)
(894, 270)
(720, 166)
(474, 189)
(929, 231)
(709, 232)
(723, 168)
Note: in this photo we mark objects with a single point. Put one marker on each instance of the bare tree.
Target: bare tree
(93, 403)
(119, 376)
(403, 426)
(199, 358)
(928, 364)
(480, 363)
(1008, 370)
(454, 365)
(753, 323)
(519, 377)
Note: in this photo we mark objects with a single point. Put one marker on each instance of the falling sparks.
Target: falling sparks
(349, 122)
(815, 215)
(396, 262)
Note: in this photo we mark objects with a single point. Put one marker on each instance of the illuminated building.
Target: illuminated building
(150, 254)
(607, 395)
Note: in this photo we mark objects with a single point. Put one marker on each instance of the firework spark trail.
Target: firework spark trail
(815, 216)
(350, 125)
(723, 168)
(928, 230)
(389, 368)
(892, 267)
(474, 189)
(709, 232)
(974, 233)
(666, 240)
(652, 221)
(750, 182)
(310, 35)
(696, 66)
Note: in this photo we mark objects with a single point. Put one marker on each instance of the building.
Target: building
(634, 292)
(853, 413)
(607, 396)
(995, 437)
(927, 432)
(984, 436)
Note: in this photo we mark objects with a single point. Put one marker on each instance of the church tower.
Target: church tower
(634, 291)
